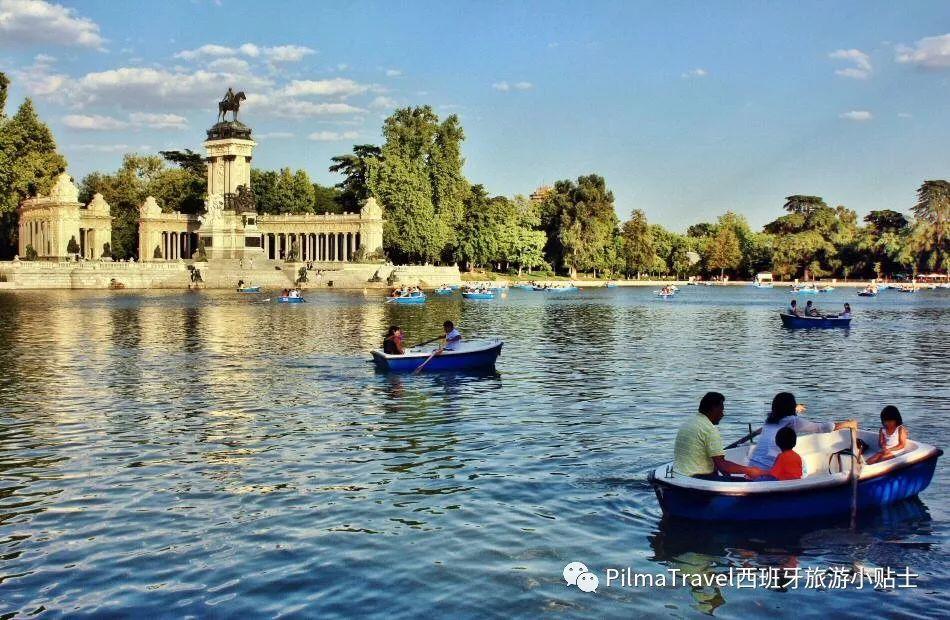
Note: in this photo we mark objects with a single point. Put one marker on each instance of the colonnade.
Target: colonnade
(37, 233)
(177, 245)
(324, 247)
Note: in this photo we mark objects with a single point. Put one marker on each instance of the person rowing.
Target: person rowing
(452, 338)
(392, 345)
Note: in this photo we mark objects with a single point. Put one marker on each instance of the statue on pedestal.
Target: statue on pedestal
(230, 103)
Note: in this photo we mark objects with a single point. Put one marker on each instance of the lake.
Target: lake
(167, 454)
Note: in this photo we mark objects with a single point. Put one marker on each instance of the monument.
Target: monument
(229, 223)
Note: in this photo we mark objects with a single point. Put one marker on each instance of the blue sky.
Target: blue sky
(687, 108)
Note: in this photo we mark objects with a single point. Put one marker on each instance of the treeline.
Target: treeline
(434, 214)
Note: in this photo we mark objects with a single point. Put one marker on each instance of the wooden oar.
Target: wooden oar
(426, 342)
(423, 364)
(734, 444)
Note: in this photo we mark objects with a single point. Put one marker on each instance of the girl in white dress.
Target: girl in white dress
(892, 439)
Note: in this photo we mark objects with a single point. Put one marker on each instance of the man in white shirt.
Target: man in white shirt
(452, 337)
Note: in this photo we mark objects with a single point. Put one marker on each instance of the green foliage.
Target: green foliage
(725, 252)
(637, 251)
(29, 164)
(327, 200)
(187, 160)
(30, 253)
(354, 188)
(72, 246)
(581, 224)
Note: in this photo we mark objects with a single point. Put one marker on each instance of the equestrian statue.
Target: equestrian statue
(230, 103)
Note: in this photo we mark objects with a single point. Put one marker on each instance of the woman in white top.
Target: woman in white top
(785, 413)
(892, 438)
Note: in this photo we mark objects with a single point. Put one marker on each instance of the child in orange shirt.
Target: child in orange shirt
(788, 464)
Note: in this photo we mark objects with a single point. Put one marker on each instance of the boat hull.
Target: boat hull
(863, 294)
(444, 291)
(873, 493)
(482, 358)
(804, 322)
(415, 299)
(250, 289)
(290, 300)
(482, 296)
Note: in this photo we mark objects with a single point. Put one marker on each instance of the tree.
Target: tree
(187, 160)
(29, 164)
(803, 205)
(581, 224)
(932, 212)
(886, 220)
(264, 187)
(637, 253)
(449, 186)
(725, 252)
(326, 199)
(478, 241)
(72, 247)
(354, 188)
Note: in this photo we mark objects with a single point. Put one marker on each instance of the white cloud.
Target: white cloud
(287, 53)
(857, 115)
(393, 72)
(94, 122)
(279, 105)
(861, 61)
(333, 136)
(158, 121)
(229, 65)
(85, 122)
(274, 135)
(928, 53)
(336, 87)
(24, 22)
(383, 103)
(698, 72)
(38, 79)
(501, 86)
(279, 53)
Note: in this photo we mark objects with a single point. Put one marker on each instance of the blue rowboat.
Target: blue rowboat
(763, 285)
(469, 356)
(290, 300)
(455, 287)
(444, 290)
(417, 298)
(610, 285)
(524, 287)
(805, 291)
(867, 294)
(249, 289)
(805, 322)
(467, 295)
(825, 491)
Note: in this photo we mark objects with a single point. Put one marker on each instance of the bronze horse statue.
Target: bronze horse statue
(230, 103)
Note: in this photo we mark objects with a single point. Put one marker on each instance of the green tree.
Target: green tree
(326, 199)
(187, 160)
(354, 188)
(449, 185)
(582, 217)
(637, 252)
(725, 251)
(29, 164)
(264, 185)
(930, 235)
(72, 247)
(886, 220)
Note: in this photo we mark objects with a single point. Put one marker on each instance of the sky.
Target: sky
(688, 109)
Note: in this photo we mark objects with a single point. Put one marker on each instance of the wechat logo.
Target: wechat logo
(577, 574)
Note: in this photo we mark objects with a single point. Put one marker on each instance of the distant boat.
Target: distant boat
(291, 300)
(867, 294)
(249, 289)
(411, 298)
(805, 290)
(483, 295)
(444, 290)
(807, 322)
(468, 356)
(610, 284)
(524, 287)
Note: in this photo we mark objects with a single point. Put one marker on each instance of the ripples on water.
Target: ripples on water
(167, 454)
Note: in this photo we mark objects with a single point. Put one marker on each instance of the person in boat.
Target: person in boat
(892, 438)
(240, 284)
(793, 308)
(788, 464)
(392, 345)
(847, 312)
(811, 309)
(698, 451)
(784, 414)
(285, 293)
(452, 338)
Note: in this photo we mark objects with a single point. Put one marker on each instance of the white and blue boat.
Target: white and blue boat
(411, 298)
(810, 322)
(444, 290)
(482, 295)
(468, 356)
(249, 289)
(832, 481)
(524, 287)
(291, 300)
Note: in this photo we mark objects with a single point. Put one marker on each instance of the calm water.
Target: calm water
(172, 454)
